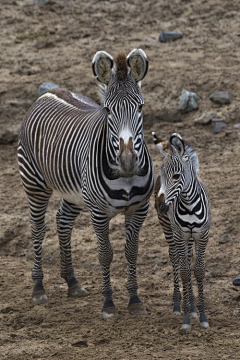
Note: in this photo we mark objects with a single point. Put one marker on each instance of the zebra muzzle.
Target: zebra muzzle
(127, 158)
(161, 205)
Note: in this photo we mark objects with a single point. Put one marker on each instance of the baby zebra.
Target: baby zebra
(184, 213)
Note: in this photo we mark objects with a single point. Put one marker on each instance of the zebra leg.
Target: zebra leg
(186, 278)
(38, 204)
(193, 313)
(176, 292)
(133, 223)
(105, 254)
(173, 254)
(65, 217)
(199, 271)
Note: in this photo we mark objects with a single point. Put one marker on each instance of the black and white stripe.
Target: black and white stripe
(92, 156)
(184, 213)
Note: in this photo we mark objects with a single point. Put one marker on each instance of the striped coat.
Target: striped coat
(91, 155)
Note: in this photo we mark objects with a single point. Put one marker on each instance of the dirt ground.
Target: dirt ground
(56, 43)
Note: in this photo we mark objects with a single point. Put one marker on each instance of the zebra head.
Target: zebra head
(120, 93)
(179, 164)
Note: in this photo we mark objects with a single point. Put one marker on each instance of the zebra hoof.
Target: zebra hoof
(176, 312)
(77, 291)
(137, 309)
(193, 315)
(204, 324)
(186, 327)
(109, 313)
(39, 297)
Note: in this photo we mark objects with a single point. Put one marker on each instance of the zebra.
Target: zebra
(184, 213)
(92, 156)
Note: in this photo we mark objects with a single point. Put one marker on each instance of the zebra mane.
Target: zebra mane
(121, 66)
(193, 156)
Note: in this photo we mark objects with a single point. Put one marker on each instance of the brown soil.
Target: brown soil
(56, 42)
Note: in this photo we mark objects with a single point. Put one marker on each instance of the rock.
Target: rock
(236, 126)
(41, 2)
(236, 281)
(221, 97)
(151, 256)
(219, 126)
(205, 118)
(166, 36)
(46, 86)
(188, 101)
(224, 239)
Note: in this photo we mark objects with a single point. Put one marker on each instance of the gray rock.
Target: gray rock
(188, 101)
(221, 97)
(219, 126)
(205, 119)
(166, 36)
(41, 2)
(46, 86)
(236, 126)
(224, 239)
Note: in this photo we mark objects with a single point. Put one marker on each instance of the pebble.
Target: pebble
(166, 36)
(224, 239)
(46, 86)
(221, 97)
(151, 256)
(188, 101)
(236, 281)
(236, 126)
(205, 118)
(41, 2)
(219, 126)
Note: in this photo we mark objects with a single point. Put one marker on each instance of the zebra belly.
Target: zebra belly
(72, 197)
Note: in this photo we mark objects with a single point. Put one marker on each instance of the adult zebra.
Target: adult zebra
(184, 213)
(93, 155)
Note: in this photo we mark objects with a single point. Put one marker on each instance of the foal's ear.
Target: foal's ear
(162, 146)
(102, 64)
(138, 63)
(177, 143)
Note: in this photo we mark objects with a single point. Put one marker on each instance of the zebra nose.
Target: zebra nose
(127, 157)
(161, 205)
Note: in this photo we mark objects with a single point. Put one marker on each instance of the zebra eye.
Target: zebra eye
(176, 176)
(140, 108)
(108, 110)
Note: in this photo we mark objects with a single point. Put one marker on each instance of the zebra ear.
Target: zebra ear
(177, 143)
(102, 64)
(138, 63)
(162, 146)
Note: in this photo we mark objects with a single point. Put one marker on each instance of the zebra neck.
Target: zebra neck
(192, 193)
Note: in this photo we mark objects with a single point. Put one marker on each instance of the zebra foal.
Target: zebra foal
(184, 213)
(90, 155)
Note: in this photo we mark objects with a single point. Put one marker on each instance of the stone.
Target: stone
(224, 239)
(219, 126)
(236, 281)
(166, 36)
(206, 118)
(221, 97)
(46, 86)
(41, 2)
(188, 101)
(236, 126)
